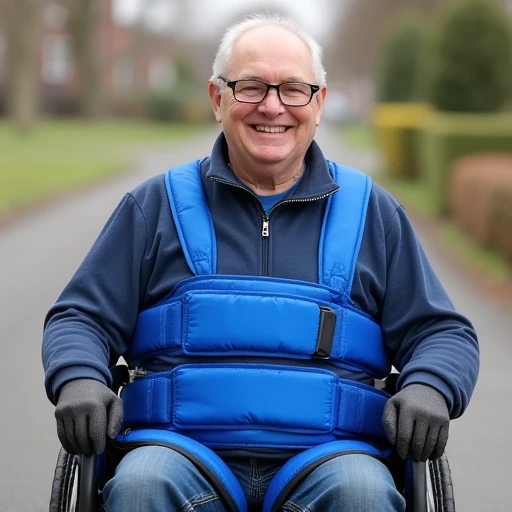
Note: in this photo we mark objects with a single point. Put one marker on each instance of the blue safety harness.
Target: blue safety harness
(264, 337)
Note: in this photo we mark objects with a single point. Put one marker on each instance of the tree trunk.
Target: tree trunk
(22, 30)
(84, 25)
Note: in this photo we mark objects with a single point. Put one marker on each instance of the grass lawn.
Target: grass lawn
(61, 155)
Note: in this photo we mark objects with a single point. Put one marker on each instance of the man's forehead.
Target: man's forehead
(270, 33)
(272, 46)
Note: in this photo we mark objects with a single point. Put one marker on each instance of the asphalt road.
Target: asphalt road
(39, 253)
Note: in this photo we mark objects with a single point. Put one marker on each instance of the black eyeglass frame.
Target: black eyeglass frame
(232, 84)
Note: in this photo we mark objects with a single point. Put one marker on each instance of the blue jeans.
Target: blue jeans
(154, 479)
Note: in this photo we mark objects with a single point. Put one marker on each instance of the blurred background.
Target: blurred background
(97, 95)
(425, 83)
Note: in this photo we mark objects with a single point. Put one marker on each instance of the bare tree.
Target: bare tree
(84, 17)
(21, 23)
(358, 36)
(140, 29)
(92, 54)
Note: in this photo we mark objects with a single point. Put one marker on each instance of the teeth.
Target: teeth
(270, 129)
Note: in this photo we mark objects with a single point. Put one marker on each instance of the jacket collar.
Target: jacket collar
(315, 182)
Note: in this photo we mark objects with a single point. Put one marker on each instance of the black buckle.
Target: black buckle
(120, 377)
(325, 333)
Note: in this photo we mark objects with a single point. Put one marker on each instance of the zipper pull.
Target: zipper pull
(264, 231)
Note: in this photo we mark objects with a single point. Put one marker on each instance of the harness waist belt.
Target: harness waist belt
(279, 399)
(259, 323)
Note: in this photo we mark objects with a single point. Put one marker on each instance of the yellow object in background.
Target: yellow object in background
(396, 129)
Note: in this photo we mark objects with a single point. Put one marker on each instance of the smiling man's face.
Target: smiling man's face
(268, 133)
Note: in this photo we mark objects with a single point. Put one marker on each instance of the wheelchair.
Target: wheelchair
(78, 479)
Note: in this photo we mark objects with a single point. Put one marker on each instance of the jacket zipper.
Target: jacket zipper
(265, 234)
(265, 224)
(265, 228)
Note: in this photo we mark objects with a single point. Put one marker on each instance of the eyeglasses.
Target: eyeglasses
(291, 94)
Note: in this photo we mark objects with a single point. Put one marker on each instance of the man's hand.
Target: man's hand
(87, 410)
(416, 421)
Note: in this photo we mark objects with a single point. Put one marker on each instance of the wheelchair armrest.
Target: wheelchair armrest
(419, 486)
(87, 488)
(87, 495)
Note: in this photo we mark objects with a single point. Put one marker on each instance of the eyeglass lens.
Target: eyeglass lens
(291, 93)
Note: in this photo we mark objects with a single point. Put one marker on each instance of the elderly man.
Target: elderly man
(257, 295)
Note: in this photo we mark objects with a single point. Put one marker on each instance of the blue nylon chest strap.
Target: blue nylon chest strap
(294, 324)
(253, 396)
(345, 213)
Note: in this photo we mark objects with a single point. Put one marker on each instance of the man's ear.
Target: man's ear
(320, 98)
(214, 93)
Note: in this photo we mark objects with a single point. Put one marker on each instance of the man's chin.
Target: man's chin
(271, 160)
(271, 154)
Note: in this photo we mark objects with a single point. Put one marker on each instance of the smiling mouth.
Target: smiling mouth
(270, 129)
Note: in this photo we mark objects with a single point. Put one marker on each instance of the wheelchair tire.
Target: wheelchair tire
(440, 486)
(65, 481)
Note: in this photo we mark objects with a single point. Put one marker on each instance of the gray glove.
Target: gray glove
(416, 421)
(82, 412)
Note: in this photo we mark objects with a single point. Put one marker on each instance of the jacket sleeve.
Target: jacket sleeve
(428, 340)
(91, 323)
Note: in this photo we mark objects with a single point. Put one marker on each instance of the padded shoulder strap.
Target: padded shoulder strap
(343, 227)
(192, 217)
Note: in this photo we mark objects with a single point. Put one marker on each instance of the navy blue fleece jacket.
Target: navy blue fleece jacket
(137, 260)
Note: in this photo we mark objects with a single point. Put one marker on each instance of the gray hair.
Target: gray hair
(235, 31)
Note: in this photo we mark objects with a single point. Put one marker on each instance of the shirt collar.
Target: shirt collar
(315, 182)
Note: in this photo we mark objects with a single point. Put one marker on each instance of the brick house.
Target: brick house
(131, 67)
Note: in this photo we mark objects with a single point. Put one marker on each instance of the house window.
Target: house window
(123, 74)
(56, 60)
(162, 73)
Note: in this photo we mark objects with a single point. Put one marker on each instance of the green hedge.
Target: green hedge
(469, 68)
(448, 137)
(401, 60)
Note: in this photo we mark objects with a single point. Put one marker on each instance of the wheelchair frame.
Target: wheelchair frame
(75, 485)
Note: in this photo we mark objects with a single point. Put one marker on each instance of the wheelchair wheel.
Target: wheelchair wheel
(65, 483)
(440, 497)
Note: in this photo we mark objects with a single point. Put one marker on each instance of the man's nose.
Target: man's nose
(271, 104)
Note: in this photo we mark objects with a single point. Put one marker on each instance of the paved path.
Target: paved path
(39, 254)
